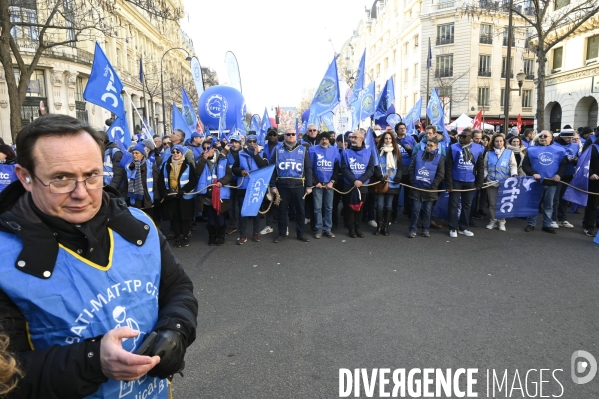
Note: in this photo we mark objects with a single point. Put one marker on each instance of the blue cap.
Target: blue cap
(141, 148)
(235, 137)
(179, 148)
(196, 134)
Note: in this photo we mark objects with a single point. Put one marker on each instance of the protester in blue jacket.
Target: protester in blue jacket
(325, 165)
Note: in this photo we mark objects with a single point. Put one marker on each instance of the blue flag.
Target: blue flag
(240, 123)
(429, 58)
(434, 110)
(393, 119)
(359, 86)
(386, 98)
(364, 107)
(104, 85)
(327, 94)
(441, 209)
(255, 123)
(188, 113)
(580, 179)
(518, 197)
(7, 175)
(264, 128)
(412, 117)
(327, 119)
(119, 134)
(179, 122)
(371, 145)
(259, 180)
(222, 125)
(296, 126)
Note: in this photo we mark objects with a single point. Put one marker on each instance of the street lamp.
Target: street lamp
(188, 59)
(520, 76)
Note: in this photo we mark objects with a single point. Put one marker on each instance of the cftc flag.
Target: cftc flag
(370, 144)
(257, 186)
(179, 122)
(364, 107)
(264, 128)
(104, 85)
(327, 94)
(518, 197)
(412, 117)
(188, 112)
(359, 86)
(580, 179)
(434, 110)
(255, 123)
(386, 98)
(119, 134)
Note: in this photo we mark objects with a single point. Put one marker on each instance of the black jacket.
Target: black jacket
(479, 169)
(147, 201)
(349, 175)
(119, 174)
(68, 371)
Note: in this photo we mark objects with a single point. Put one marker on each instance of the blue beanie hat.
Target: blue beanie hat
(141, 148)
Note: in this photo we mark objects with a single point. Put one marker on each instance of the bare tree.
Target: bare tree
(551, 22)
(210, 77)
(39, 26)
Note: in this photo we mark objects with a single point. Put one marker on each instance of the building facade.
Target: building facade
(468, 57)
(58, 83)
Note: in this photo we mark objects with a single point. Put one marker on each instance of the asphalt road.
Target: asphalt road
(280, 320)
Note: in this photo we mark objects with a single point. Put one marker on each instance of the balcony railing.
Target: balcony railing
(505, 41)
(60, 52)
(503, 75)
(486, 39)
(444, 40)
(443, 72)
(484, 73)
(444, 5)
(530, 76)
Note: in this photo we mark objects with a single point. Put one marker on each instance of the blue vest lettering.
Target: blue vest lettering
(323, 162)
(7, 175)
(464, 170)
(290, 164)
(545, 160)
(357, 161)
(425, 171)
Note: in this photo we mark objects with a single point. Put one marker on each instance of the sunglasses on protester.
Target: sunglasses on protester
(312, 130)
(289, 134)
(176, 152)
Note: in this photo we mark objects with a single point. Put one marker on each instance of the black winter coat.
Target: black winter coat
(172, 203)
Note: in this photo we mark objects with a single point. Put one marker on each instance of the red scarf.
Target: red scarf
(216, 197)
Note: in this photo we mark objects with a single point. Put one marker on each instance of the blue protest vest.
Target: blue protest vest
(323, 162)
(149, 181)
(183, 180)
(572, 152)
(208, 175)
(545, 160)
(357, 161)
(290, 164)
(498, 168)
(108, 166)
(7, 175)
(81, 300)
(425, 171)
(385, 170)
(464, 171)
(406, 158)
(247, 162)
(270, 152)
(197, 151)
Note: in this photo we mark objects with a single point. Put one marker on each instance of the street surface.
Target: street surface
(280, 320)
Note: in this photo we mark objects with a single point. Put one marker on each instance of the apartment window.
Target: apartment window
(414, 98)
(416, 40)
(486, 34)
(484, 65)
(378, 69)
(119, 60)
(404, 106)
(23, 11)
(444, 66)
(505, 35)
(483, 96)
(557, 58)
(37, 83)
(561, 3)
(415, 71)
(444, 91)
(502, 98)
(79, 89)
(526, 98)
(503, 67)
(405, 48)
(405, 75)
(592, 47)
(445, 34)
(394, 55)
(386, 63)
(528, 69)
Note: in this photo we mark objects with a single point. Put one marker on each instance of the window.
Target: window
(386, 63)
(484, 65)
(394, 55)
(69, 19)
(405, 75)
(557, 58)
(414, 98)
(486, 34)
(79, 89)
(561, 3)
(483, 96)
(592, 47)
(445, 34)
(502, 97)
(526, 98)
(405, 48)
(416, 71)
(37, 83)
(444, 66)
(505, 34)
(444, 91)
(378, 70)
(404, 106)
(528, 68)
(23, 11)
(416, 41)
(503, 67)
(119, 61)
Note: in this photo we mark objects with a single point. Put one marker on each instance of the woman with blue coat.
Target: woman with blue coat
(391, 170)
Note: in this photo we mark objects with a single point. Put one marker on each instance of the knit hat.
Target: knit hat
(195, 134)
(322, 135)
(179, 148)
(586, 130)
(150, 144)
(141, 148)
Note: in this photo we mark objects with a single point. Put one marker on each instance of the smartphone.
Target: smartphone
(148, 343)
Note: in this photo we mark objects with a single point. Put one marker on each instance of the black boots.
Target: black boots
(211, 235)
(386, 218)
(379, 223)
(220, 235)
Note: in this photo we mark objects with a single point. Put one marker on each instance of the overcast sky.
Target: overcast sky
(282, 46)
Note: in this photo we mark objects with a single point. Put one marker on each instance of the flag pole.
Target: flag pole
(143, 122)
(143, 86)
(429, 62)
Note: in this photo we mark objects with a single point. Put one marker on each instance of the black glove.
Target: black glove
(170, 347)
(180, 194)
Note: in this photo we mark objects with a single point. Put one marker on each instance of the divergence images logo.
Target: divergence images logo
(326, 92)
(215, 105)
(583, 362)
(546, 158)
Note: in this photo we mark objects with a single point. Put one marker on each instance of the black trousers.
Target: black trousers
(291, 196)
(590, 212)
(353, 220)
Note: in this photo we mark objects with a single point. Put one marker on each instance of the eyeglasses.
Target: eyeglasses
(206, 148)
(352, 137)
(166, 144)
(544, 136)
(66, 186)
(312, 130)
(176, 152)
(272, 134)
(289, 134)
(250, 141)
(431, 145)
